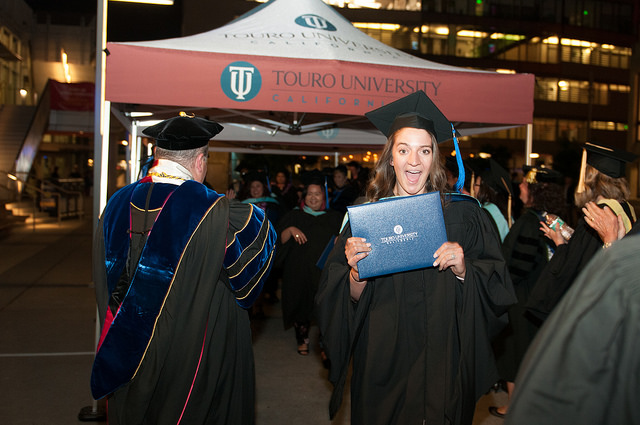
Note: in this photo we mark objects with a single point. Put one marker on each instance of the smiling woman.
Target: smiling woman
(303, 233)
(404, 330)
(411, 160)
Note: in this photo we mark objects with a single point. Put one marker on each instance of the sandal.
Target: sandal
(495, 412)
(303, 349)
(302, 336)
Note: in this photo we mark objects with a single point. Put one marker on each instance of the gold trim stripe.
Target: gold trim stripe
(142, 209)
(264, 241)
(262, 226)
(261, 276)
(243, 227)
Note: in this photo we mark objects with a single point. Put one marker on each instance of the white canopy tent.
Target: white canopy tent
(294, 75)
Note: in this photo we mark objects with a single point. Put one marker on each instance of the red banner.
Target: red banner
(71, 96)
(172, 77)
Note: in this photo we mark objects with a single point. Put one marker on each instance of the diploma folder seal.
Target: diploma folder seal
(404, 232)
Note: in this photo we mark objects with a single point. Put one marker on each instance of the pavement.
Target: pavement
(47, 341)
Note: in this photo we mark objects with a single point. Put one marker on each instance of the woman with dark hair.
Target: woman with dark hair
(344, 193)
(419, 339)
(491, 186)
(284, 191)
(601, 181)
(303, 233)
(257, 193)
(526, 251)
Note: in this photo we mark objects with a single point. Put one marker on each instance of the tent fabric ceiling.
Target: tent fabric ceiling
(297, 67)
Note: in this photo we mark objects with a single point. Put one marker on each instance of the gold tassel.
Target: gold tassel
(583, 170)
(472, 189)
(508, 201)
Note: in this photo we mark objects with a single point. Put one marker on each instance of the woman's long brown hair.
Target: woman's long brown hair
(599, 184)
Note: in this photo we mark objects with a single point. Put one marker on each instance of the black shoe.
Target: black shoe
(494, 411)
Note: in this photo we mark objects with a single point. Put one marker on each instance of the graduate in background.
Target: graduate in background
(344, 193)
(527, 251)
(175, 266)
(491, 186)
(256, 192)
(583, 366)
(602, 180)
(419, 340)
(303, 234)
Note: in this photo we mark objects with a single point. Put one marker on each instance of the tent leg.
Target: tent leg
(529, 146)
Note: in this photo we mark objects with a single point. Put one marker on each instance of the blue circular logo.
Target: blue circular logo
(315, 22)
(241, 81)
(328, 133)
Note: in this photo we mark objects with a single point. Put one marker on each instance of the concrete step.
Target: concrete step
(26, 210)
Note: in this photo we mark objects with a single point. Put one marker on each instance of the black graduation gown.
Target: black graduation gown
(343, 197)
(583, 366)
(420, 340)
(567, 262)
(300, 275)
(558, 275)
(526, 250)
(198, 367)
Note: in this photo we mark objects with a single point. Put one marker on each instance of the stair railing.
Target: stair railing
(35, 198)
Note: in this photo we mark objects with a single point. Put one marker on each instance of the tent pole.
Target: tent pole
(529, 146)
(100, 161)
(135, 152)
(99, 107)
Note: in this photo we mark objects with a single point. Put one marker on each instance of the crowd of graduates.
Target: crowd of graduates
(307, 212)
(531, 292)
(534, 211)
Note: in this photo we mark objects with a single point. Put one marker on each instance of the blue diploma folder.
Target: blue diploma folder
(404, 233)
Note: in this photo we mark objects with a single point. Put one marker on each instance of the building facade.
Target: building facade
(584, 53)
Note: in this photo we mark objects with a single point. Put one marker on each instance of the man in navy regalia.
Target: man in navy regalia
(175, 267)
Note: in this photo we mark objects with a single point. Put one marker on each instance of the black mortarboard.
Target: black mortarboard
(254, 175)
(608, 160)
(496, 177)
(416, 111)
(535, 175)
(183, 132)
(312, 177)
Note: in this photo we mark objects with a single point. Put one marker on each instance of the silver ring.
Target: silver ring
(297, 236)
(453, 256)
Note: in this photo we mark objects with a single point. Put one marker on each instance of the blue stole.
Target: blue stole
(126, 336)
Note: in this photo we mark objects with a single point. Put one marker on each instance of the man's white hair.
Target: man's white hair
(186, 157)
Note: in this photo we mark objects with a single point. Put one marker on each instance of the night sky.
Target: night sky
(126, 21)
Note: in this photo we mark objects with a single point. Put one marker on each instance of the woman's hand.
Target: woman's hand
(451, 254)
(355, 250)
(293, 232)
(554, 235)
(231, 194)
(609, 226)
